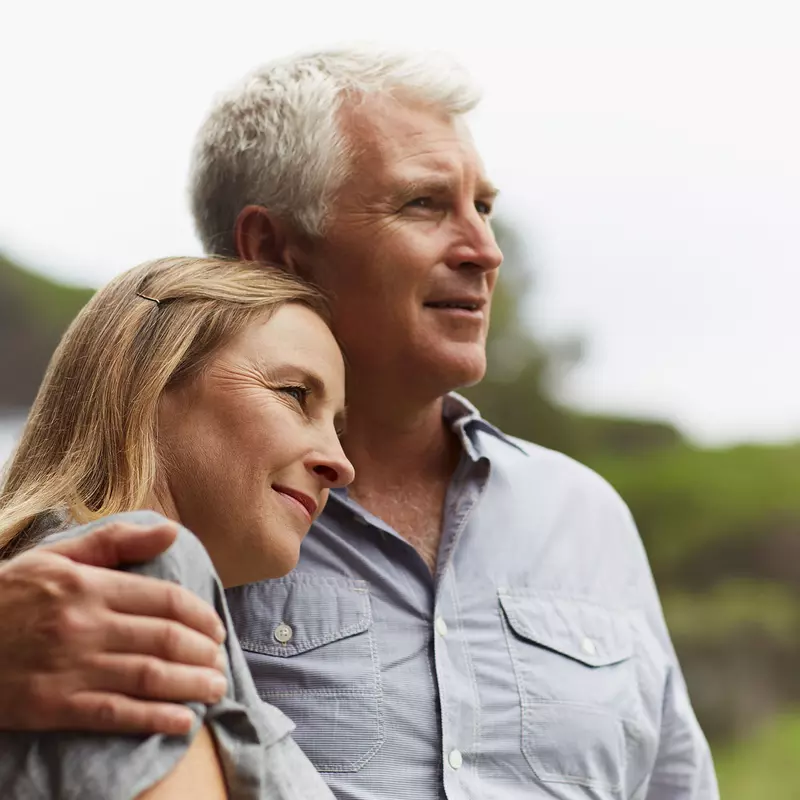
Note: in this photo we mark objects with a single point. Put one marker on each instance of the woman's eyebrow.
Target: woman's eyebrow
(275, 373)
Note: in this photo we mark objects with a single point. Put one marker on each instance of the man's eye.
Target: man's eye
(297, 392)
(421, 202)
(483, 208)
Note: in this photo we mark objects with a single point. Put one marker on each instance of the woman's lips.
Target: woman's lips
(299, 500)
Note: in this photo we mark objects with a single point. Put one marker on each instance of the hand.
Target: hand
(85, 647)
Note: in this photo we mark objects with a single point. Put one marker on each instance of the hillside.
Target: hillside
(34, 312)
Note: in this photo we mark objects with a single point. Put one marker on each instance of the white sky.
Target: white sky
(649, 151)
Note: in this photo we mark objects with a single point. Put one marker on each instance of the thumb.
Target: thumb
(117, 543)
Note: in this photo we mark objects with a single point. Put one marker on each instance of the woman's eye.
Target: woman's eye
(296, 392)
(421, 202)
(483, 207)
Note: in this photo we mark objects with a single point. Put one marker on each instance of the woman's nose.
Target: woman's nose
(333, 467)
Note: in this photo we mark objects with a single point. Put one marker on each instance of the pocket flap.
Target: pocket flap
(589, 633)
(291, 615)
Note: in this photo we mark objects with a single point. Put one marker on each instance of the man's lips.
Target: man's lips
(302, 501)
(459, 303)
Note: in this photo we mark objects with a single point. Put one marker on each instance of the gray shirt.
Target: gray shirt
(257, 754)
(535, 663)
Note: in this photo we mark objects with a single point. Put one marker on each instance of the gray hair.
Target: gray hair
(275, 139)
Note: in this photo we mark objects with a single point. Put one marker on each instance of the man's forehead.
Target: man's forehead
(414, 142)
(390, 124)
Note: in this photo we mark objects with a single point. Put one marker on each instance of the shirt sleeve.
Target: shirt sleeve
(684, 769)
(252, 739)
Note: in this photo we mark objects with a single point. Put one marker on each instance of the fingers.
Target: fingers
(152, 597)
(140, 676)
(164, 639)
(114, 713)
(118, 543)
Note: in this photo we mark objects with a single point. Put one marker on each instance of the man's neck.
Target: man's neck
(390, 446)
(404, 459)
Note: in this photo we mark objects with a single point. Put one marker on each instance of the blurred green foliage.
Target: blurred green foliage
(34, 312)
(49, 304)
(764, 767)
(690, 501)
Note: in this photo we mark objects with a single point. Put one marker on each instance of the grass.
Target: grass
(766, 765)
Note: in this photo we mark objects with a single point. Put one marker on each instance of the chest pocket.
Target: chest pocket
(309, 645)
(573, 665)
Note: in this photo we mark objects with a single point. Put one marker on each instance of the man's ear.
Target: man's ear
(261, 237)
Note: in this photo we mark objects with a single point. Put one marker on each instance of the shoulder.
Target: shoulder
(185, 558)
(59, 527)
(579, 513)
(558, 474)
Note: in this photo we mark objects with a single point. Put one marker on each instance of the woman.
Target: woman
(209, 392)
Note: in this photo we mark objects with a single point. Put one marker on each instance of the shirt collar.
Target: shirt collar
(466, 422)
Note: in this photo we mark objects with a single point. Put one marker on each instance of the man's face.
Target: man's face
(409, 258)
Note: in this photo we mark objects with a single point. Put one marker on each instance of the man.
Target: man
(475, 618)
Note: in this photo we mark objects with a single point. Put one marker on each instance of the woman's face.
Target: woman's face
(250, 448)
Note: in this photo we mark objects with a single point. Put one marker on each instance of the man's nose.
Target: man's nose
(475, 245)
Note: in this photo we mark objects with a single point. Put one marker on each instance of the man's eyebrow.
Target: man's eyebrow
(440, 184)
(487, 190)
(428, 184)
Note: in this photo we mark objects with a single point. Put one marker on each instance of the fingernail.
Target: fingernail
(221, 663)
(180, 721)
(220, 634)
(218, 687)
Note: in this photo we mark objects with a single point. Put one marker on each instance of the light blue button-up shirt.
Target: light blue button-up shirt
(534, 664)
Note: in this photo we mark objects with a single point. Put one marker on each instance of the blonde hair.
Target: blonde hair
(275, 140)
(89, 445)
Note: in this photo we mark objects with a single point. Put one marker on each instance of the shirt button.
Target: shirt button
(455, 759)
(283, 633)
(587, 645)
(441, 629)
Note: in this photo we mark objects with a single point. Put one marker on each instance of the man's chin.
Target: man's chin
(462, 372)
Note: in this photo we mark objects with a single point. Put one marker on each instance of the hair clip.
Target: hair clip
(151, 299)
